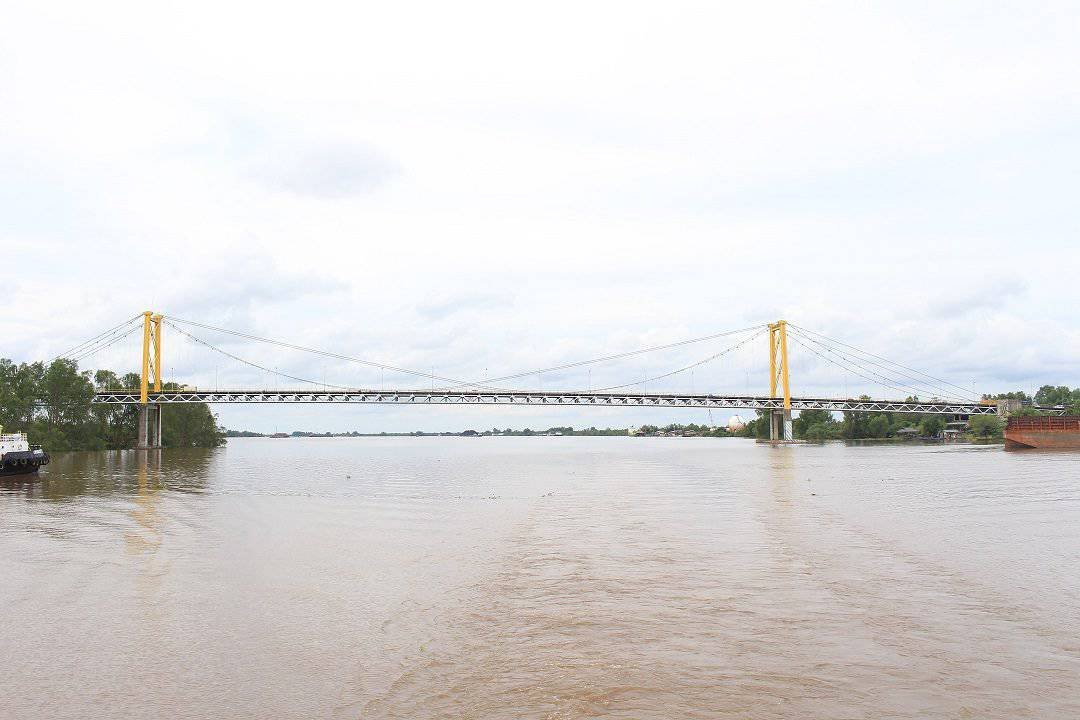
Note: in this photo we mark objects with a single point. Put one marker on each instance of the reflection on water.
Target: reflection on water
(146, 537)
(543, 577)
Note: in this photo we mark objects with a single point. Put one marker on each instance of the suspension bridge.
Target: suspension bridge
(152, 394)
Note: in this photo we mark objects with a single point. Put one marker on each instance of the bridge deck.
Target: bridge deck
(481, 397)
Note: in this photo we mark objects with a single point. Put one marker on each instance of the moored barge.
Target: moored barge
(1056, 432)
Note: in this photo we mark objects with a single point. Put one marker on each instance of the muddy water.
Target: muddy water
(543, 578)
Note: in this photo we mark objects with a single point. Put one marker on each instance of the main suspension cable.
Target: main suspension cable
(921, 386)
(723, 352)
(483, 384)
(89, 351)
(101, 336)
(878, 357)
(846, 368)
(620, 356)
(326, 353)
(248, 362)
(879, 380)
(936, 387)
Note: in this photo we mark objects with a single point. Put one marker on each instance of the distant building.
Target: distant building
(736, 424)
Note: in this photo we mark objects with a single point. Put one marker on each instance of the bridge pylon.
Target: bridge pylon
(150, 414)
(779, 380)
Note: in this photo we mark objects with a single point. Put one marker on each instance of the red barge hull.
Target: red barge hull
(1044, 432)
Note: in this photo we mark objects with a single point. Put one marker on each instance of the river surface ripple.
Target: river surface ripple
(543, 578)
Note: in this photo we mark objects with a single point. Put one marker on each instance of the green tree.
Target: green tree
(932, 425)
(66, 395)
(1060, 395)
(1014, 395)
(54, 404)
(879, 427)
(986, 426)
(821, 431)
(190, 425)
(20, 392)
(66, 392)
(117, 424)
(809, 418)
(758, 428)
(856, 423)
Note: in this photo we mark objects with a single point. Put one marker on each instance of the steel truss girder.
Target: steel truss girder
(475, 397)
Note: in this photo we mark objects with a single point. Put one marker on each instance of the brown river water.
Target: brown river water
(543, 578)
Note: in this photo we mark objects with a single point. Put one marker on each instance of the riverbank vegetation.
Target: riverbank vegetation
(821, 425)
(669, 430)
(1059, 396)
(52, 403)
(1055, 396)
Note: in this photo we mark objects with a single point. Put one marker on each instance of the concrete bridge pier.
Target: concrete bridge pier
(149, 427)
(780, 426)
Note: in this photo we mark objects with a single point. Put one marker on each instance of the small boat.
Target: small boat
(19, 457)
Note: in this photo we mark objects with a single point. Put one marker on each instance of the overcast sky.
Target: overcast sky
(482, 188)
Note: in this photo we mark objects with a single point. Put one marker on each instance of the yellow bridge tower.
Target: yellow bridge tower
(150, 414)
(780, 420)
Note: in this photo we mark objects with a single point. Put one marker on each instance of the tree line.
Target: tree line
(818, 425)
(1047, 396)
(854, 425)
(52, 403)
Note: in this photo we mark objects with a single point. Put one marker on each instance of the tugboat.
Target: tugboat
(18, 457)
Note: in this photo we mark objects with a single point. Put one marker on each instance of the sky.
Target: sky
(477, 189)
